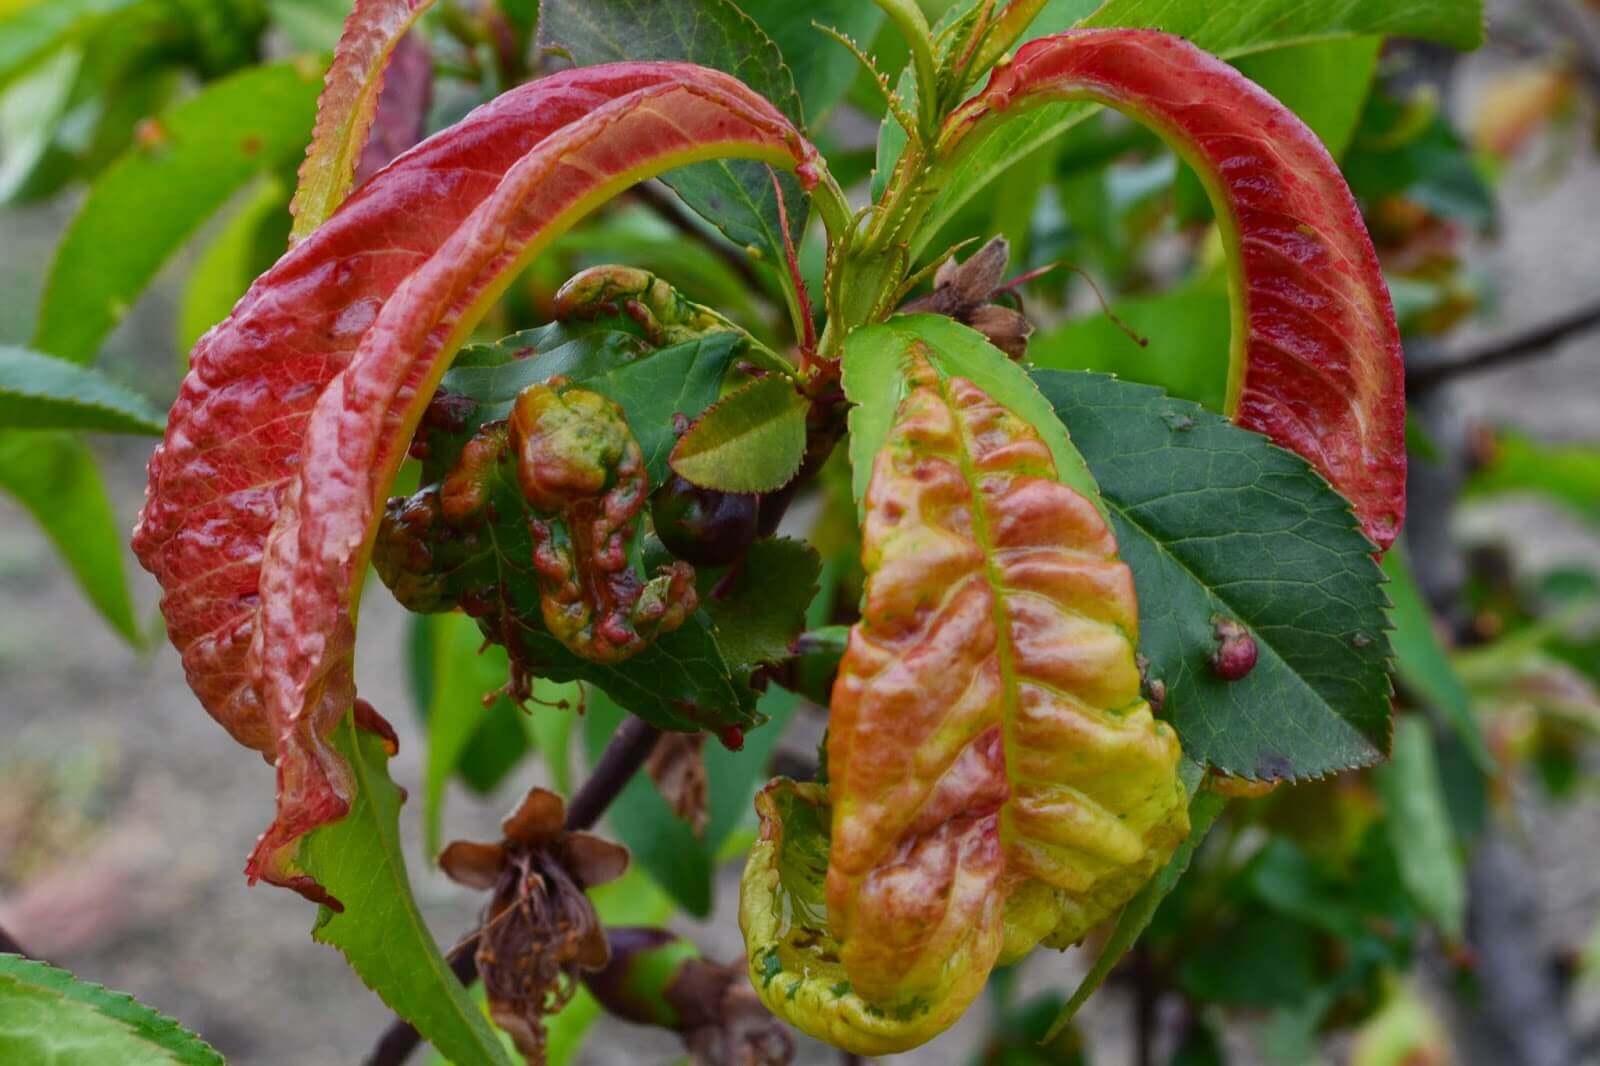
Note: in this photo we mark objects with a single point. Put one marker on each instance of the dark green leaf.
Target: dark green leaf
(1136, 915)
(823, 69)
(664, 844)
(53, 476)
(49, 1016)
(380, 931)
(40, 392)
(751, 440)
(1216, 521)
(1419, 827)
(1423, 666)
(1263, 959)
(141, 210)
(736, 196)
(761, 612)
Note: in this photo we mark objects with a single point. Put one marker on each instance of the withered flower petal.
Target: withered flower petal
(966, 292)
(538, 819)
(474, 864)
(593, 860)
(678, 768)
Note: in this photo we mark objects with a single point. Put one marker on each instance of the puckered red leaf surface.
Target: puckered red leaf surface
(297, 410)
(1316, 355)
(995, 777)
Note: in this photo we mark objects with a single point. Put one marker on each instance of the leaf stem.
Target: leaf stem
(913, 26)
(1533, 343)
(630, 746)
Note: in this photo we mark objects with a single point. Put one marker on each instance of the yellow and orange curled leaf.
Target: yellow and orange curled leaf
(995, 778)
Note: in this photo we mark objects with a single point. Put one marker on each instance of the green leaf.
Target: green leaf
(1135, 917)
(380, 930)
(874, 381)
(1187, 331)
(761, 612)
(1568, 474)
(823, 69)
(247, 244)
(752, 440)
(1234, 30)
(41, 28)
(1419, 827)
(1421, 662)
(142, 209)
(735, 196)
(452, 684)
(53, 476)
(663, 844)
(49, 1016)
(1214, 520)
(39, 392)
(31, 113)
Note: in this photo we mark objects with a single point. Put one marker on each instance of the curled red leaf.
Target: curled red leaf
(348, 107)
(1317, 362)
(297, 410)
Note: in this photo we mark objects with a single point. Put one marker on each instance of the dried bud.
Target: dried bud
(1236, 649)
(967, 291)
(540, 933)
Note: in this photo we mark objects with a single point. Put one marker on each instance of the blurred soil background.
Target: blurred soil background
(126, 813)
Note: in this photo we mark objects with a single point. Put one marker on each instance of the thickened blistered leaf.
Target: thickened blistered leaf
(581, 472)
(298, 409)
(1316, 356)
(995, 778)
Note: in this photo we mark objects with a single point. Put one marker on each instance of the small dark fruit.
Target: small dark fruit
(706, 527)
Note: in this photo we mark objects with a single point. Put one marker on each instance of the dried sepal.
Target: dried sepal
(995, 777)
(677, 765)
(967, 291)
(540, 932)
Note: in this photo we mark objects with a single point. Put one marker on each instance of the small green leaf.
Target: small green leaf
(53, 475)
(1419, 827)
(40, 392)
(1216, 521)
(1423, 666)
(752, 440)
(380, 930)
(663, 844)
(762, 611)
(49, 1016)
(191, 160)
(735, 196)
(248, 244)
(1135, 917)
